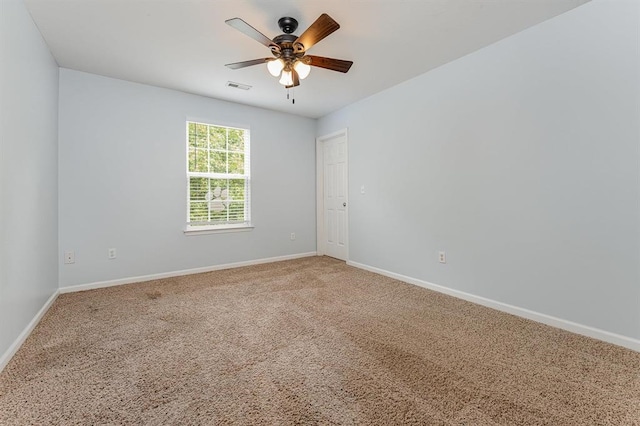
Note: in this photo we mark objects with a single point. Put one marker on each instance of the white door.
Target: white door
(334, 157)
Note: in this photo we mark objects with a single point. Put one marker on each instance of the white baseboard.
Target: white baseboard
(130, 280)
(9, 353)
(573, 327)
(595, 333)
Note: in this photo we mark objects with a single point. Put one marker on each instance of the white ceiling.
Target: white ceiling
(184, 44)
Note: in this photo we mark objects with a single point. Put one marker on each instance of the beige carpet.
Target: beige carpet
(308, 341)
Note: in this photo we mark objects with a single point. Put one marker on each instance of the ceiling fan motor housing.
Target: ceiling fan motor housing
(287, 51)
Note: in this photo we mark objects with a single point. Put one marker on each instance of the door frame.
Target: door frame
(320, 246)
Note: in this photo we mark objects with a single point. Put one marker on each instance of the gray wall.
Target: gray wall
(520, 161)
(28, 171)
(123, 184)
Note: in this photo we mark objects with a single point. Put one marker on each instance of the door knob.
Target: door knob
(344, 204)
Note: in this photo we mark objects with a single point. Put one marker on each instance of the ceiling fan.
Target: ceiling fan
(290, 61)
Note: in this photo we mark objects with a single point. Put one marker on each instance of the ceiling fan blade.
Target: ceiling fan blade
(238, 65)
(296, 79)
(247, 29)
(329, 63)
(322, 27)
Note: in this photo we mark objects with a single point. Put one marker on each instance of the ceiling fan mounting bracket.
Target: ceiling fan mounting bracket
(287, 24)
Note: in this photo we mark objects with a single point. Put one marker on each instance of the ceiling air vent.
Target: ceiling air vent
(238, 85)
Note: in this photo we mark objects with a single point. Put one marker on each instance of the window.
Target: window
(218, 177)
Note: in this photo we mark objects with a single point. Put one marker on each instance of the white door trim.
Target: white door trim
(320, 247)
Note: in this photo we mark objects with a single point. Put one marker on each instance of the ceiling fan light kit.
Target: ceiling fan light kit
(290, 62)
(277, 67)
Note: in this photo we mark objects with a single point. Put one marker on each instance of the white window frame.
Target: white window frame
(224, 227)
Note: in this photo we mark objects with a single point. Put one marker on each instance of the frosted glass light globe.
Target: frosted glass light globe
(286, 79)
(275, 67)
(302, 69)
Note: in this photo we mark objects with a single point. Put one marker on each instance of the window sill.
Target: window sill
(217, 230)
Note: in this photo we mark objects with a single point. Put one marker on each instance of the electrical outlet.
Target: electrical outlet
(293, 236)
(112, 253)
(442, 257)
(69, 257)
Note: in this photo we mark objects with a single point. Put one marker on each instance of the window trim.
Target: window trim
(224, 227)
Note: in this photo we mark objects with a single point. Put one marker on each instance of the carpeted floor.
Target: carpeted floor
(309, 341)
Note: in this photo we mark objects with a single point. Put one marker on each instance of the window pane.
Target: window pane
(192, 135)
(237, 189)
(236, 163)
(218, 137)
(217, 197)
(218, 162)
(218, 216)
(198, 212)
(198, 188)
(198, 160)
(201, 136)
(218, 191)
(191, 157)
(236, 140)
(236, 211)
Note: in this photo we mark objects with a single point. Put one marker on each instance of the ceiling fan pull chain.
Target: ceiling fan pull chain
(292, 97)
